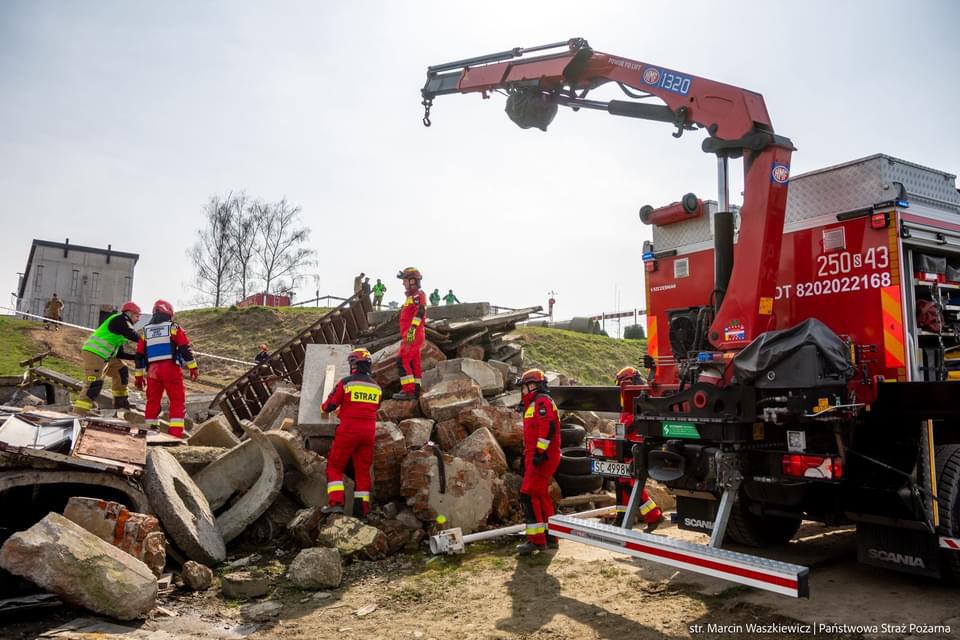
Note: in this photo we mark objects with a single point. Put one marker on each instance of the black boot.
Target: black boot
(121, 403)
(403, 396)
(552, 542)
(528, 548)
(328, 509)
(652, 526)
(618, 521)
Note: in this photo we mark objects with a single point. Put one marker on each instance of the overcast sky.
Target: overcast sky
(119, 119)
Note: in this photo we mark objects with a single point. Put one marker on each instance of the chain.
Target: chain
(427, 103)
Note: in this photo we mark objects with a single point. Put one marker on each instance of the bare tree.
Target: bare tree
(244, 221)
(281, 251)
(211, 253)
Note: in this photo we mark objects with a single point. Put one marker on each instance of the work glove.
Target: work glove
(539, 458)
(411, 334)
(140, 382)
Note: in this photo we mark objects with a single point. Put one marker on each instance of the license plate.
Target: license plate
(609, 468)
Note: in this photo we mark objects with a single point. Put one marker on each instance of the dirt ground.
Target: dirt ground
(576, 592)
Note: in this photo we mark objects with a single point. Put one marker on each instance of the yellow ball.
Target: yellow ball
(441, 519)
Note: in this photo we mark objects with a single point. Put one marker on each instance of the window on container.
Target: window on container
(95, 286)
(75, 282)
(128, 287)
(38, 278)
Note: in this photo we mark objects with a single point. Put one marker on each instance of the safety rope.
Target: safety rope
(77, 326)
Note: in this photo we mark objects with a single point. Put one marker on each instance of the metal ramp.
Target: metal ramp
(243, 398)
(770, 575)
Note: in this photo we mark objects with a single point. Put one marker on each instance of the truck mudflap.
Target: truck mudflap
(762, 573)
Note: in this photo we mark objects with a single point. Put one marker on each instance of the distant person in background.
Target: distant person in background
(365, 287)
(52, 311)
(435, 297)
(378, 290)
(358, 283)
(262, 355)
(450, 298)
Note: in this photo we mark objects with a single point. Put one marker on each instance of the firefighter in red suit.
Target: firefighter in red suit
(162, 351)
(413, 315)
(358, 397)
(541, 456)
(648, 508)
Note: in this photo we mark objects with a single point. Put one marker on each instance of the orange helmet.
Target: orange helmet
(162, 306)
(358, 355)
(627, 374)
(533, 375)
(410, 272)
(130, 306)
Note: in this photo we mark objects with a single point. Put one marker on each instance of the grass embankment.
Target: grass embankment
(21, 339)
(587, 358)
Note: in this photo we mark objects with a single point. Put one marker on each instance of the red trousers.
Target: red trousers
(648, 508)
(536, 502)
(165, 376)
(353, 441)
(408, 361)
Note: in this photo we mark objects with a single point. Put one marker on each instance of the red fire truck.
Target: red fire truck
(800, 346)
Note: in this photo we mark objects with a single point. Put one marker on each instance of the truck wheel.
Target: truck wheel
(574, 461)
(747, 528)
(948, 490)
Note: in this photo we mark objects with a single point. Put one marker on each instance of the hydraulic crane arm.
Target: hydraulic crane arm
(735, 119)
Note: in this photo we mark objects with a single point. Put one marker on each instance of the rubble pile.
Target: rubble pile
(447, 459)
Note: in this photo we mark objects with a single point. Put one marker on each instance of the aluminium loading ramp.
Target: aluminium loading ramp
(243, 398)
(762, 573)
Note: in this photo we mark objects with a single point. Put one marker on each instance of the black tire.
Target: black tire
(749, 529)
(578, 484)
(574, 461)
(948, 494)
(572, 435)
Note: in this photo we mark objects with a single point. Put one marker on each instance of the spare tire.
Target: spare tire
(577, 485)
(574, 461)
(572, 435)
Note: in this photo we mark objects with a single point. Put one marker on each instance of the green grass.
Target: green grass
(16, 345)
(587, 358)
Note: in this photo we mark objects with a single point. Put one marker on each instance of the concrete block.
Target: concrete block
(182, 508)
(316, 568)
(83, 570)
(282, 404)
(487, 376)
(450, 433)
(193, 459)
(233, 472)
(504, 423)
(481, 448)
(397, 410)
(461, 311)
(138, 534)
(449, 397)
(258, 498)
(351, 537)
(318, 358)
(196, 576)
(215, 432)
(292, 452)
(467, 500)
(244, 584)
(416, 432)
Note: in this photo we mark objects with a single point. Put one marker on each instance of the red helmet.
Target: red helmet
(357, 356)
(410, 272)
(533, 375)
(130, 306)
(162, 306)
(627, 374)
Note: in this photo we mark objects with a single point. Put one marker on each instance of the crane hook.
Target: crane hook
(427, 103)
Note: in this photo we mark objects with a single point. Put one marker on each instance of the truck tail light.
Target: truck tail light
(602, 447)
(879, 221)
(816, 467)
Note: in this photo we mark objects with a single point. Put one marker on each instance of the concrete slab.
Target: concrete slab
(318, 357)
(460, 311)
(215, 432)
(182, 508)
(283, 403)
(233, 472)
(258, 498)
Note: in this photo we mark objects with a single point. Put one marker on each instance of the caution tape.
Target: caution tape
(77, 326)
